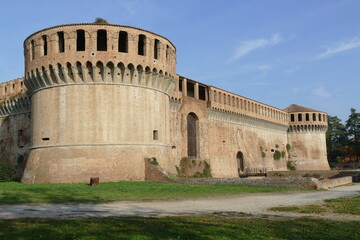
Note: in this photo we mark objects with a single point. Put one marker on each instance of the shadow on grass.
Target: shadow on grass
(202, 227)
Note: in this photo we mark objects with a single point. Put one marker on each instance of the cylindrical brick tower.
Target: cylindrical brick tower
(100, 102)
(306, 138)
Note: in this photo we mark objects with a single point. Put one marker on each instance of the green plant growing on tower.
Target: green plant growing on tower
(101, 21)
(277, 155)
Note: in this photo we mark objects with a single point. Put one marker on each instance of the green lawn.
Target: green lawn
(15, 193)
(339, 205)
(200, 227)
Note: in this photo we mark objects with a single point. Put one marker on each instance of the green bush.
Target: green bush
(263, 155)
(207, 171)
(290, 165)
(101, 21)
(277, 155)
(288, 147)
(154, 161)
(276, 145)
(7, 172)
(283, 154)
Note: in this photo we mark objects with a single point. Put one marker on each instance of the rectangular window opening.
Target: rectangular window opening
(156, 49)
(101, 40)
(32, 50)
(299, 117)
(123, 42)
(180, 85)
(292, 117)
(155, 135)
(45, 139)
(45, 45)
(61, 41)
(80, 40)
(141, 45)
(202, 93)
(190, 89)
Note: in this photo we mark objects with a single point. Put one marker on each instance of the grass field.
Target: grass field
(200, 227)
(16, 193)
(339, 205)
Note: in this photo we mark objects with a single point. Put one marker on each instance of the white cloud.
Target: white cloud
(264, 67)
(291, 70)
(246, 47)
(321, 92)
(340, 47)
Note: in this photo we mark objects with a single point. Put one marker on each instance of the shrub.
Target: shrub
(290, 165)
(20, 159)
(277, 155)
(207, 170)
(154, 161)
(101, 21)
(263, 154)
(7, 172)
(288, 147)
(283, 154)
(276, 145)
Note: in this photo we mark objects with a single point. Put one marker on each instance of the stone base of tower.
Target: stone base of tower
(79, 164)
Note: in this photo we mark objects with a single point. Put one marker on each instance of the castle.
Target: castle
(97, 99)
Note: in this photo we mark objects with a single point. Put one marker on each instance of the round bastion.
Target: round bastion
(100, 102)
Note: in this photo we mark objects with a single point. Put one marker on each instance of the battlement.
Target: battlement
(303, 119)
(221, 100)
(98, 42)
(17, 104)
(11, 88)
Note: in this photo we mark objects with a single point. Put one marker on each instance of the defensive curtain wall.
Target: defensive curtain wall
(102, 98)
(235, 133)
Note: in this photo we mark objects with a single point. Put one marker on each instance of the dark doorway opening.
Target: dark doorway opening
(240, 162)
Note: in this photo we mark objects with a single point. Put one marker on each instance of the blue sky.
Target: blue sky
(278, 52)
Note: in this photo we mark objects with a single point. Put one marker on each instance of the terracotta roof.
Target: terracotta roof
(297, 108)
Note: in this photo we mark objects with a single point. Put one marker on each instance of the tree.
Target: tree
(353, 133)
(336, 139)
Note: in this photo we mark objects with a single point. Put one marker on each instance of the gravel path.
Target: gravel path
(254, 204)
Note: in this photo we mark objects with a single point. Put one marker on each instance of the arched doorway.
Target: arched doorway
(192, 135)
(240, 162)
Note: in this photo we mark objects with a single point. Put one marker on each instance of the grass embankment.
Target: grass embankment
(200, 227)
(16, 193)
(339, 205)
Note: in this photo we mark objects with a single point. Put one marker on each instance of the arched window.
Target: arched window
(123, 42)
(307, 117)
(45, 46)
(192, 135)
(319, 117)
(141, 45)
(240, 162)
(80, 40)
(101, 40)
(299, 117)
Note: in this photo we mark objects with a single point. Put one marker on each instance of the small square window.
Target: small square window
(155, 135)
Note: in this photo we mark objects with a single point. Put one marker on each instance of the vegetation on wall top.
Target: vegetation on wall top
(101, 21)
